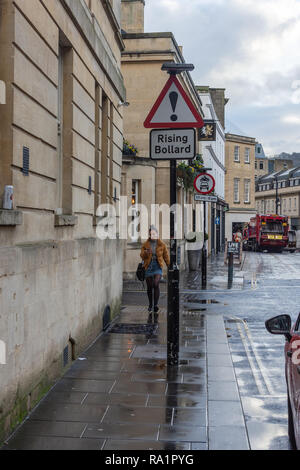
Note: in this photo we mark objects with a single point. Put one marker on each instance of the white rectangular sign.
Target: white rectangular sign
(171, 144)
(199, 197)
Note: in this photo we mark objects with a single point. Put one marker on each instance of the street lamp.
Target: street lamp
(276, 180)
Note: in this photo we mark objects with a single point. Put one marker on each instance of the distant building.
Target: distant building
(288, 185)
(265, 165)
(239, 182)
(213, 102)
(278, 164)
(261, 161)
(146, 181)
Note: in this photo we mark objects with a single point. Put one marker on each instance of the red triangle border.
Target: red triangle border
(173, 125)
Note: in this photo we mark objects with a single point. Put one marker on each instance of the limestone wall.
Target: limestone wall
(63, 89)
(50, 292)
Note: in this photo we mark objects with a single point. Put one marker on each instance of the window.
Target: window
(236, 153)
(273, 227)
(247, 155)
(258, 149)
(236, 190)
(290, 203)
(261, 165)
(295, 203)
(284, 204)
(256, 164)
(247, 191)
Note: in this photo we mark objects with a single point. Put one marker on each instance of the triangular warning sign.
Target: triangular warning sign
(173, 109)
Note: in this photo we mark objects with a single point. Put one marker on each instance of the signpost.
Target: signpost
(204, 184)
(176, 118)
(173, 109)
(173, 144)
(208, 131)
(201, 198)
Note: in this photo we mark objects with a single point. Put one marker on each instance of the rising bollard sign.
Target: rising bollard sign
(170, 144)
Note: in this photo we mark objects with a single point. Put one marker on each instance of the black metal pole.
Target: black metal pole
(204, 253)
(173, 281)
(230, 270)
(276, 196)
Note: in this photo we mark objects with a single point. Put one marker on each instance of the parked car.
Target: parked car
(282, 325)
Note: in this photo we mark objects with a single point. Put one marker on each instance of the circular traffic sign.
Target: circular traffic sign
(204, 183)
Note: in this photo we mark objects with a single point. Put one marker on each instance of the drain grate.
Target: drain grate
(134, 328)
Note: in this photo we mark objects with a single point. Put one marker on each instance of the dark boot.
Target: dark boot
(149, 321)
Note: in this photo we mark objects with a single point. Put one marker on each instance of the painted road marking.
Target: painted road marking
(257, 371)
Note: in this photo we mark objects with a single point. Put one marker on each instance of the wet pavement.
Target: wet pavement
(228, 392)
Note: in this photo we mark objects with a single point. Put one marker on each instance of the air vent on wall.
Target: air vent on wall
(25, 169)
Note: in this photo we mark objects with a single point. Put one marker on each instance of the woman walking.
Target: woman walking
(154, 253)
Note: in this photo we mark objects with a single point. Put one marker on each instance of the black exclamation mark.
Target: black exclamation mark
(173, 98)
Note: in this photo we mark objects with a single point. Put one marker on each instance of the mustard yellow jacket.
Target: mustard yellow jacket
(161, 253)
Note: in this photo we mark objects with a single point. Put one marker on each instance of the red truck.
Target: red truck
(266, 232)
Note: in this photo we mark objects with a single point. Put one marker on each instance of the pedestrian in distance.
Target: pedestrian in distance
(154, 253)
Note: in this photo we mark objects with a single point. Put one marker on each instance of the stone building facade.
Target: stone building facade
(146, 181)
(239, 182)
(61, 137)
(265, 165)
(288, 193)
(214, 101)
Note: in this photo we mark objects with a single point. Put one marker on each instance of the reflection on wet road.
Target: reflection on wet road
(258, 357)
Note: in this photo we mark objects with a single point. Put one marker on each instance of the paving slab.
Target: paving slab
(121, 395)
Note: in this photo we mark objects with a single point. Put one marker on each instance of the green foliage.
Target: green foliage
(188, 172)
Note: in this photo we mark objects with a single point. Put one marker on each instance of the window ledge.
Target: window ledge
(64, 220)
(10, 218)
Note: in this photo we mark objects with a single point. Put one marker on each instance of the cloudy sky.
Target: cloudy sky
(249, 47)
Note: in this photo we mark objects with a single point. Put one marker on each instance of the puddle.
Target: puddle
(197, 309)
(195, 299)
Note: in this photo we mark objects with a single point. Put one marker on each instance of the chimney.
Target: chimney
(133, 16)
(219, 102)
